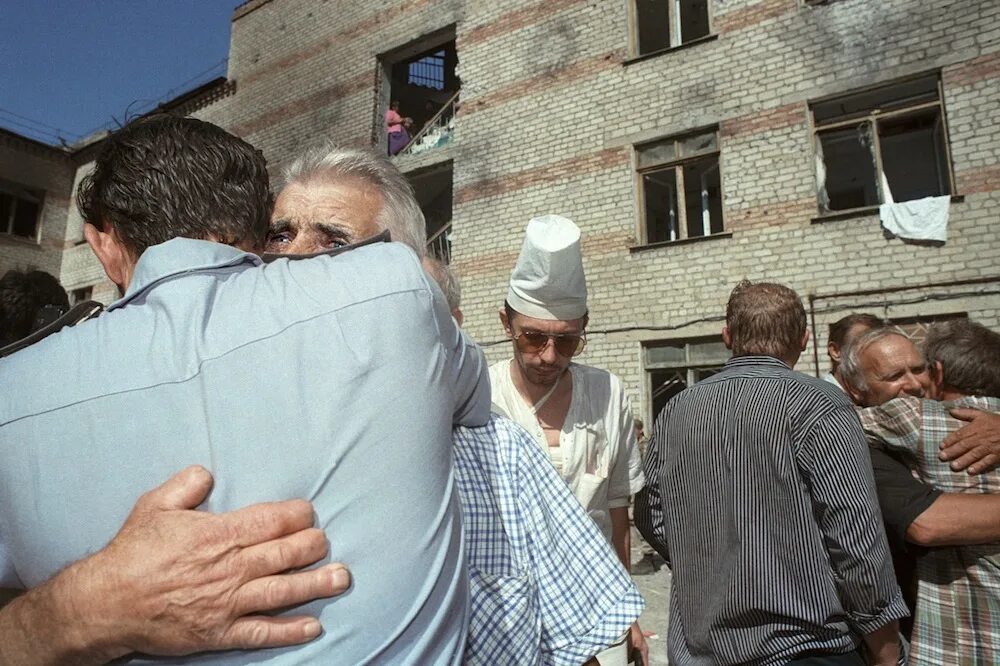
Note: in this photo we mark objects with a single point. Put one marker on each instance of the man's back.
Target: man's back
(774, 538)
(293, 380)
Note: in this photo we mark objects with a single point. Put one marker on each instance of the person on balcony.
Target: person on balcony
(397, 127)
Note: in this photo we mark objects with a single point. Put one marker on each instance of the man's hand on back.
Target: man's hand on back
(975, 446)
(175, 581)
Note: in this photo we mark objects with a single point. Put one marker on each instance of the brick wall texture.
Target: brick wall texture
(552, 103)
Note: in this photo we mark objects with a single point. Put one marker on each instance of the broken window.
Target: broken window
(20, 210)
(422, 78)
(882, 145)
(681, 189)
(663, 24)
(433, 189)
(673, 366)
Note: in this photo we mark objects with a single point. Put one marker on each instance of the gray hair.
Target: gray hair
(851, 370)
(969, 354)
(400, 213)
(446, 279)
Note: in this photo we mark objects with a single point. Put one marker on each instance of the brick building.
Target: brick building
(695, 143)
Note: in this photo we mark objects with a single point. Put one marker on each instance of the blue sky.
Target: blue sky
(69, 67)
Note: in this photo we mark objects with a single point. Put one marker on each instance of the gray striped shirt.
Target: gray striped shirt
(760, 495)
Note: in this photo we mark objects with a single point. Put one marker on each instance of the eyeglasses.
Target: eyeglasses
(566, 345)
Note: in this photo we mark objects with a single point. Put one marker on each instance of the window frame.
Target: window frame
(689, 367)
(677, 166)
(673, 24)
(872, 118)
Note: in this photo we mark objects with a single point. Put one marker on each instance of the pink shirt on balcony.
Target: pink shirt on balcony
(393, 122)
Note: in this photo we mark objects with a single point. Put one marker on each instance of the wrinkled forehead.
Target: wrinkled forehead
(345, 201)
(893, 351)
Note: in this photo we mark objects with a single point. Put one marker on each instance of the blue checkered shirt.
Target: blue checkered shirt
(546, 586)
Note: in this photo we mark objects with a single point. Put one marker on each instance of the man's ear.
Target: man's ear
(727, 338)
(110, 252)
(937, 374)
(457, 314)
(833, 351)
(805, 340)
(506, 322)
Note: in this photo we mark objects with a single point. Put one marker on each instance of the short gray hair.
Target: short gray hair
(400, 213)
(446, 279)
(969, 354)
(851, 370)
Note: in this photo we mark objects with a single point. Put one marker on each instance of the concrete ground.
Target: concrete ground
(652, 577)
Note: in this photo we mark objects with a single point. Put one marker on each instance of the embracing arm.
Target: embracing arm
(175, 581)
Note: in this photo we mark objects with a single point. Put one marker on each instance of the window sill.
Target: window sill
(9, 239)
(683, 241)
(653, 54)
(867, 211)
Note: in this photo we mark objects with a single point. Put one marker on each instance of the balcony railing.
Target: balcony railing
(437, 132)
(439, 244)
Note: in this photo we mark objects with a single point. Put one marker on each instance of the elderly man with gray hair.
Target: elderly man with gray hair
(958, 594)
(545, 586)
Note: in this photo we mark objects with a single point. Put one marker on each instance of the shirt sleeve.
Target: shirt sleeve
(467, 371)
(901, 497)
(625, 476)
(836, 467)
(586, 599)
(8, 578)
(648, 511)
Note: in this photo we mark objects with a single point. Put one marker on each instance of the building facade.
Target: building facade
(696, 143)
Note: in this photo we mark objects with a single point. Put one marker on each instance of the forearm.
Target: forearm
(47, 625)
(621, 538)
(956, 520)
(883, 643)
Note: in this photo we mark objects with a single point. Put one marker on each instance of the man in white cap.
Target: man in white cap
(579, 414)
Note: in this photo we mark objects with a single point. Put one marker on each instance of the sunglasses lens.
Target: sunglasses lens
(532, 342)
(569, 345)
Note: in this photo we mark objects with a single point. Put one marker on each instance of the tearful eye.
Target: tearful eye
(333, 243)
(278, 238)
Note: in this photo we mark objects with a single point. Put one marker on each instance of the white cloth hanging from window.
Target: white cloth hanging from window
(920, 219)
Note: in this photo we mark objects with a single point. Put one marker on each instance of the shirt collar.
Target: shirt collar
(755, 360)
(176, 257)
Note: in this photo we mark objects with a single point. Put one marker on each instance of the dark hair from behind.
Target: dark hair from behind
(22, 295)
(840, 328)
(969, 354)
(766, 319)
(161, 177)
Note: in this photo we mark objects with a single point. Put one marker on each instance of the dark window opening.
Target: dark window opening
(662, 24)
(20, 211)
(883, 145)
(433, 189)
(80, 295)
(422, 79)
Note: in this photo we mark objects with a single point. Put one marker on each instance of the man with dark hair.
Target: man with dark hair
(841, 333)
(23, 296)
(176, 365)
(958, 592)
(760, 496)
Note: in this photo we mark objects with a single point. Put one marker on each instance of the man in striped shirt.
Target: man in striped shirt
(760, 495)
(958, 592)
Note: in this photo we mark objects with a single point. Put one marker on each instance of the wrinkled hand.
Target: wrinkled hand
(975, 446)
(175, 581)
(637, 641)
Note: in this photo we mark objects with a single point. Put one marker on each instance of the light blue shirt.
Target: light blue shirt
(334, 379)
